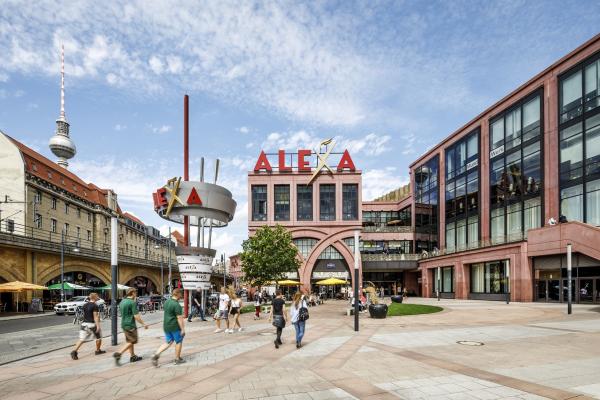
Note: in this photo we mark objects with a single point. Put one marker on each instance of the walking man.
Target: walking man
(223, 311)
(129, 315)
(174, 328)
(90, 326)
(197, 307)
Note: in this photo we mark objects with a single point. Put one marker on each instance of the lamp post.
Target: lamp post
(162, 283)
(569, 278)
(63, 242)
(356, 277)
(169, 261)
(114, 262)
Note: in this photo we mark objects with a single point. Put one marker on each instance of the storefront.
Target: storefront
(551, 284)
(443, 280)
(333, 268)
(143, 285)
(78, 278)
(489, 280)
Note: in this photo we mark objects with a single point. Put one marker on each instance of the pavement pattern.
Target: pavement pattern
(528, 351)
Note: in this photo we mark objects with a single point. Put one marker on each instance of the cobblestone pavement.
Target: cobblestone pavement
(528, 351)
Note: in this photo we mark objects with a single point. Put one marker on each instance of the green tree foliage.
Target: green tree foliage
(269, 255)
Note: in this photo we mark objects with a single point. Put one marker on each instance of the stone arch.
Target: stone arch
(337, 242)
(74, 266)
(127, 274)
(9, 276)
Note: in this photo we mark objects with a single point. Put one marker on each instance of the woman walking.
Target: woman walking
(235, 306)
(278, 315)
(299, 315)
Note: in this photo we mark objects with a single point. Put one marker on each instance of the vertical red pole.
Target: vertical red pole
(186, 176)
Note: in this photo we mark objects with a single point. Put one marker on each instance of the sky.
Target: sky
(388, 80)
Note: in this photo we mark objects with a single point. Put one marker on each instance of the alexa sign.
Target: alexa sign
(304, 159)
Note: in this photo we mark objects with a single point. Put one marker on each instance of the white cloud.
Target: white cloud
(156, 65)
(19, 93)
(119, 127)
(160, 129)
(376, 182)
(243, 129)
(250, 145)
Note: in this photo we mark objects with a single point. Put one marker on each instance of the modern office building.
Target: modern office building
(489, 210)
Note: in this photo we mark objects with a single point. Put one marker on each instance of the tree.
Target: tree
(269, 255)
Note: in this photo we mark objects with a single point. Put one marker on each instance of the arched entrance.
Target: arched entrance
(144, 285)
(6, 298)
(331, 264)
(77, 277)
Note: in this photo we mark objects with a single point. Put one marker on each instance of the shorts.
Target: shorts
(234, 310)
(131, 335)
(87, 330)
(223, 314)
(174, 336)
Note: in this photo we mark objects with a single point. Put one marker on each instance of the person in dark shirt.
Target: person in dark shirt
(278, 316)
(90, 326)
(197, 307)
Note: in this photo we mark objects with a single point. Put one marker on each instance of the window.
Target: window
(327, 202)
(462, 193)
(426, 205)
(38, 197)
(66, 229)
(54, 203)
(304, 202)
(282, 202)
(66, 208)
(445, 282)
(579, 133)
(10, 225)
(78, 232)
(489, 278)
(89, 216)
(516, 170)
(78, 212)
(38, 221)
(330, 253)
(89, 236)
(53, 225)
(350, 202)
(305, 246)
(259, 202)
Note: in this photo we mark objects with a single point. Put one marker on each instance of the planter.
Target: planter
(378, 310)
(396, 299)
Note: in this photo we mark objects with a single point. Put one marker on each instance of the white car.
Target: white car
(70, 306)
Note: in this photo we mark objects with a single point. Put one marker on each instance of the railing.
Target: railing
(481, 244)
(387, 228)
(28, 236)
(389, 257)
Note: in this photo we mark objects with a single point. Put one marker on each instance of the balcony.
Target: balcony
(31, 238)
(382, 228)
(481, 244)
(389, 257)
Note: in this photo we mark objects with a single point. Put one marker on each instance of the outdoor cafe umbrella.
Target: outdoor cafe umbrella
(331, 282)
(18, 287)
(288, 282)
(119, 287)
(68, 286)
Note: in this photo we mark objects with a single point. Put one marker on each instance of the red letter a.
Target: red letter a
(194, 197)
(346, 162)
(262, 163)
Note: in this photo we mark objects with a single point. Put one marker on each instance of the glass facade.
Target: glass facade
(580, 143)
(516, 170)
(330, 253)
(426, 206)
(381, 246)
(445, 282)
(349, 201)
(304, 202)
(387, 218)
(305, 245)
(462, 193)
(327, 202)
(259, 202)
(489, 278)
(282, 202)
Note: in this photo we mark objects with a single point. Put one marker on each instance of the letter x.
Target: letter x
(173, 192)
(322, 159)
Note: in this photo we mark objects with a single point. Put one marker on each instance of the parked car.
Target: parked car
(69, 306)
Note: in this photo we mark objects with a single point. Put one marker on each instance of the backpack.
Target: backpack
(303, 312)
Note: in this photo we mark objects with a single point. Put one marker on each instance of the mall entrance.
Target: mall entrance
(551, 284)
(333, 268)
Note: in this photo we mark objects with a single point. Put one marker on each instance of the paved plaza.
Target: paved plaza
(528, 351)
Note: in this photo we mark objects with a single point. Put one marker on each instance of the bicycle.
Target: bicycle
(78, 318)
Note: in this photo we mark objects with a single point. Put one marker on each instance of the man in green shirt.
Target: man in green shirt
(174, 328)
(129, 315)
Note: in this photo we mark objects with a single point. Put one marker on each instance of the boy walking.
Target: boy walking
(129, 315)
(174, 328)
(90, 326)
(223, 311)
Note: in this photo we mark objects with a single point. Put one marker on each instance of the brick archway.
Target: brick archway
(73, 266)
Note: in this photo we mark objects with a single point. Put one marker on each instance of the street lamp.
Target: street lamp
(162, 284)
(356, 279)
(63, 243)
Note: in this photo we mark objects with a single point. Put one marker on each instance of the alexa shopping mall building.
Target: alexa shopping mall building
(489, 210)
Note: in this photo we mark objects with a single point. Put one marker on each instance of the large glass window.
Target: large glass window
(304, 202)
(579, 133)
(445, 282)
(305, 245)
(462, 193)
(426, 206)
(382, 219)
(259, 202)
(349, 201)
(516, 171)
(282, 202)
(489, 278)
(327, 202)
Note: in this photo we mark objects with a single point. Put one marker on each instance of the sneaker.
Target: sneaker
(229, 331)
(98, 352)
(239, 330)
(276, 343)
(179, 361)
(218, 330)
(204, 319)
(297, 345)
(117, 357)
(74, 355)
(155, 360)
(135, 358)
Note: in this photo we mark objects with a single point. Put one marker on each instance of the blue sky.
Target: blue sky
(388, 79)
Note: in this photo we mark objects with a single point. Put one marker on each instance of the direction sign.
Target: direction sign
(194, 277)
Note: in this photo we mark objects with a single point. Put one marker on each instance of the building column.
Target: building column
(30, 275)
